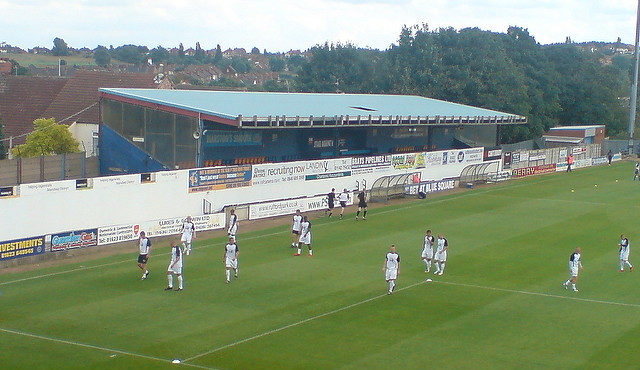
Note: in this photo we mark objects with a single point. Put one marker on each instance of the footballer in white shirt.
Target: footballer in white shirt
(233, 224)
(391, 268)
(175, 267)
(575, 265)
(305, 236)
(441, 254)
(427, 250)
(230, 258)
(295, 228)
(188, 234)
(624, 253)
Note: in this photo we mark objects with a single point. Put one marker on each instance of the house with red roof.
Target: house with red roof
(73, 101)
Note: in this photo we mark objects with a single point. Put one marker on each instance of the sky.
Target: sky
(283, 25)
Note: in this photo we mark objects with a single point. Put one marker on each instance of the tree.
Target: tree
(159, 55)
(218, 56)
(255, 51)
(276, 64)
(102, 56)
(199, 54)
(60, 47)
(130, 54)
(47, 138)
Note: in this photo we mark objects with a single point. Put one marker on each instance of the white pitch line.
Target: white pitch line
(540, 294)
(90, 346)
(297, 323)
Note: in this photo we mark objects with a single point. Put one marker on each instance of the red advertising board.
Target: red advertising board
(533, 170)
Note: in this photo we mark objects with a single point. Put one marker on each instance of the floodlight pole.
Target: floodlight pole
(634, 84)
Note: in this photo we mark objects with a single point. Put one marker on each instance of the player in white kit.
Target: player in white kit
(575, 264)
(175, 267)
(427, 250)
(233, 224)
(295, 228)
(188, 234)
(305, 236)
(343, 198)
(441, 254)
(624, 253)
(230, 258)
(391, 268)
(144, 244)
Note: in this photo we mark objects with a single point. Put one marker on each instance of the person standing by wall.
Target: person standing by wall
(570, 162)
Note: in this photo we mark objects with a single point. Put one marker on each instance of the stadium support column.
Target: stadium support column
(634, 85)
(198, 138)
(336, 136)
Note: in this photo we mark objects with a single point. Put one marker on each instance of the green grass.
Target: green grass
(500, 303)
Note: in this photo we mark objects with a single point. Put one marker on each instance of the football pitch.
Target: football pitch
(500, 303)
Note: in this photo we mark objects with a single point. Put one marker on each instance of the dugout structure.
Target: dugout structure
(477, 173)
(390, 187)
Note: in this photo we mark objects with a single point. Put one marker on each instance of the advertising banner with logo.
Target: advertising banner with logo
(491, 155)
(171, 226)
(117, 234)
(285, 207)
(21, 248)
(463, 156)
(371, 164)
(408, 161)
(168, 226)
(533, 170)
(219, 178)
(278, 173)
(430, 186)
(74, 239)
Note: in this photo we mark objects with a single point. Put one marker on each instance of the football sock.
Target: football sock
(364, 214)
(228, 274)
(357, 213)
(179, 281)
(299, 250)
(621, 265)
(310, 252)
(573, 286)
(170, 279)
(567, 282)
(628, 264)
(442, 268)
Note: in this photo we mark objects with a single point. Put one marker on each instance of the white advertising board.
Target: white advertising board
(168, 226)
(278, 173)
(285, 207)
(47, 187)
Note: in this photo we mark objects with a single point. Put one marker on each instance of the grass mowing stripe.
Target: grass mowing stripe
(90, 346)
(107, 264)
(540, 294)
(297, 323)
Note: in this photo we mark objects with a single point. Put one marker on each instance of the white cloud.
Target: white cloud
(280, 25)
